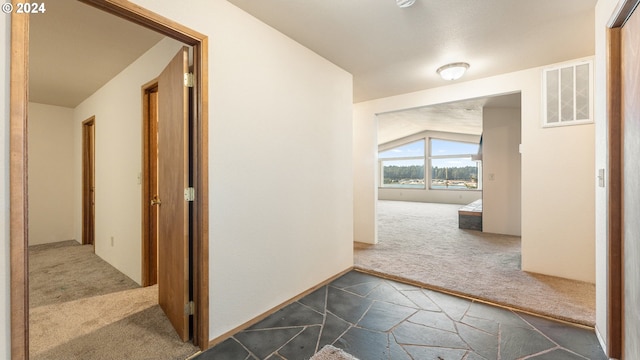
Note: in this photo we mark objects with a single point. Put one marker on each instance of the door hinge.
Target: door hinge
(189, 194)
(189, 308)
(188, 79)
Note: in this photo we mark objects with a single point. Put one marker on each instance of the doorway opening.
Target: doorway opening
(18, 169)
(88, 181)
(150, 199)
(623, 85)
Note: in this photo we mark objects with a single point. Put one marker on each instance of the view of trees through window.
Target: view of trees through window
(403, 166)
(450, 165)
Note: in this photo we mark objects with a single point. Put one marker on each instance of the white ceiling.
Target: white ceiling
(75, 49)
(391, 50)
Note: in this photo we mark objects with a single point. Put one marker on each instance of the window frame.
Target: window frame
(423, 158)
(430, 157)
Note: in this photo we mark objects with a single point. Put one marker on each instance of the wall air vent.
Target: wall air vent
(567, 94)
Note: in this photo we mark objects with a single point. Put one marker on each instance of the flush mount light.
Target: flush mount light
(404, 3)
(452, 71)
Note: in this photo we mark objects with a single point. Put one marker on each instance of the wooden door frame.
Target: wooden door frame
(148, 259)
(19, 99)
(615, 210)
(88, 180)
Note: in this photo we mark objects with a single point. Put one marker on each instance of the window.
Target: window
(403, 166)
(452, 167)
(567, 95)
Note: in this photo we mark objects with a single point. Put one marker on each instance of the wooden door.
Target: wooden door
(630, 89)
(88, 181)
(173, 178)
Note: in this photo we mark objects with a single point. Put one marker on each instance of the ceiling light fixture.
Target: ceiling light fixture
(405, 3)
(452, 71)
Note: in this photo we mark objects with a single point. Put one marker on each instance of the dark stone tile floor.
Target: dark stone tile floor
(374, 319)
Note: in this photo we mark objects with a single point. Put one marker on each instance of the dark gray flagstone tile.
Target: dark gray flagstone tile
(413, 334)
(503, 316)
(454, 306)
(354, 278)
(488, 326)
(276, 357)
(482, 343)
(295, 314)
(396, 321)
(264, 342)
(317, 300)
(558, 354)
(384, 316)
(333, 328)
(229, 349)
(365, 344)
(579, 340)
(435, 353)
(473, 356)
(437, 320)
(302, 346)
(347, 306)
(388, 293)
(401, 286)
(397, 352)
(419, 298)
(517, 342)
(363, 289)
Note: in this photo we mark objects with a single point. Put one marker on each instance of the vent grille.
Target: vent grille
(567, 94)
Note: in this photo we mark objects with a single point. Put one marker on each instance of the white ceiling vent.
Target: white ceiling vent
(567, 94)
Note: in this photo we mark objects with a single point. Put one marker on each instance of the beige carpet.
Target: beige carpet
(422, 243)
(82, 308)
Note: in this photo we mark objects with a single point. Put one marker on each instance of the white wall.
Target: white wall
(5, 309)
(427, 195)
(557, 230)
(280, 139)
(117, 108)
(52, 184)
(501, 171)
(604, 10)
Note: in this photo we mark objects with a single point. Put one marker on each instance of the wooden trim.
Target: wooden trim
(200, 218)
(614, 238)
(141, 16)
(615, 128)
(18, 228)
